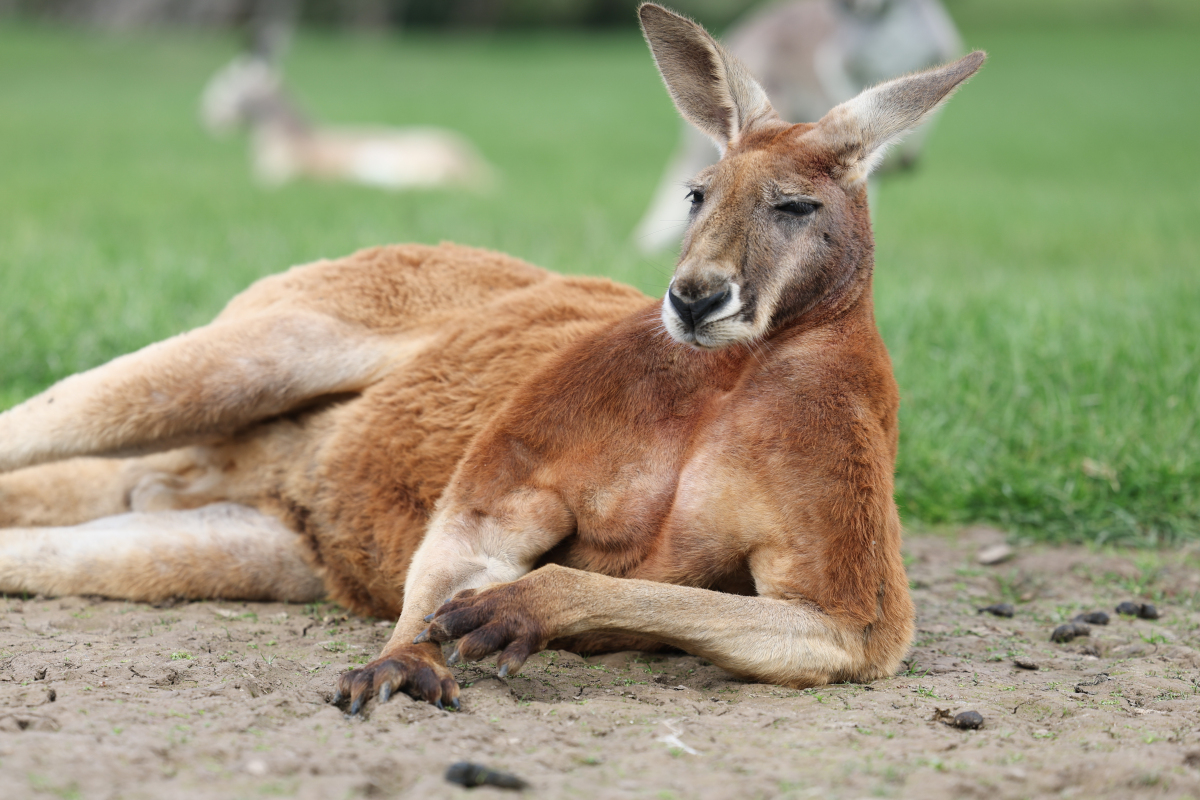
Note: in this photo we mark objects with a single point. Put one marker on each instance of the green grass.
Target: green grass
(1038, 276)
(1039, 288)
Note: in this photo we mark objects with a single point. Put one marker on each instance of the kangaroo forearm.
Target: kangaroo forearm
(778, 641)
(431, 580)
(463, 551)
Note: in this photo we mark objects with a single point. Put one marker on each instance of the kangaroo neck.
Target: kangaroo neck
(838, 295)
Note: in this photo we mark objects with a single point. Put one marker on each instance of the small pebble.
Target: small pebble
(464, 773)
(1065, 633)
(968, 720)
(1025, 663)
(998, 610)
(1092, 618)
(994, 554)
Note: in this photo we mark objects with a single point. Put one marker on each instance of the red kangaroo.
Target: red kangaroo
(572, 463)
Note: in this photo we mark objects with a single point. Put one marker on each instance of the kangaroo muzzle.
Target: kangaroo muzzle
(694, 313)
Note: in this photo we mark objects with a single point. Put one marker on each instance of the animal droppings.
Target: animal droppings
(968, 720)
(1085, 686)
(1065, 633)
(998, 610)
(1025, 663)
(1092, 618)
(464, 773)
(1143, 610)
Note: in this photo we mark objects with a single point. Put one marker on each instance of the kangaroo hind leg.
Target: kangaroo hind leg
(224, 550)
(208, 382)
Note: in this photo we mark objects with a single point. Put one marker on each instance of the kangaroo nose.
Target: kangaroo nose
(694, 312)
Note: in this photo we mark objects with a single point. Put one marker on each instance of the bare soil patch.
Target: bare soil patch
(109, 699)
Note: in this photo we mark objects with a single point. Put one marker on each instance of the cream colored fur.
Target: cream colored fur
(220, 550)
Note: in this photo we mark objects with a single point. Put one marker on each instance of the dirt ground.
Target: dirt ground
(104, 699)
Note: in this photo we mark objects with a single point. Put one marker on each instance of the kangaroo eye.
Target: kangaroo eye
(797, 208)
(696, 196)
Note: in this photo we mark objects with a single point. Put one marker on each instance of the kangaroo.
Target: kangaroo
(509, 459)
(810, 55)
(286, 144)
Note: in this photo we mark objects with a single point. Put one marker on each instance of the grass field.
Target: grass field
(1038, 277)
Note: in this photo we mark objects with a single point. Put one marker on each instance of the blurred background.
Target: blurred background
(1038, 271)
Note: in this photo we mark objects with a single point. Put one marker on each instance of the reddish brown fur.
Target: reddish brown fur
(556, 450)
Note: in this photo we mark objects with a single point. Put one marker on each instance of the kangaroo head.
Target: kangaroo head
(780, 223)
(239, 93)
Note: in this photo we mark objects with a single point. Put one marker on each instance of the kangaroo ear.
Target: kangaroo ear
(711, 88)
(860, 130)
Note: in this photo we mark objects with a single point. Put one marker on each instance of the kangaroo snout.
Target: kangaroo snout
(693, 313)
(704, 313)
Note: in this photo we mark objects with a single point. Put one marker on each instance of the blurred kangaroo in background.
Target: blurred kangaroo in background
(574, 464)
(248, 92)
(810, 55)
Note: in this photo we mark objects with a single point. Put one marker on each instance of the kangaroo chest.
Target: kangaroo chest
(662, 504)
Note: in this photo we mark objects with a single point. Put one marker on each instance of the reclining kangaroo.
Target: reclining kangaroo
(576, 465)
